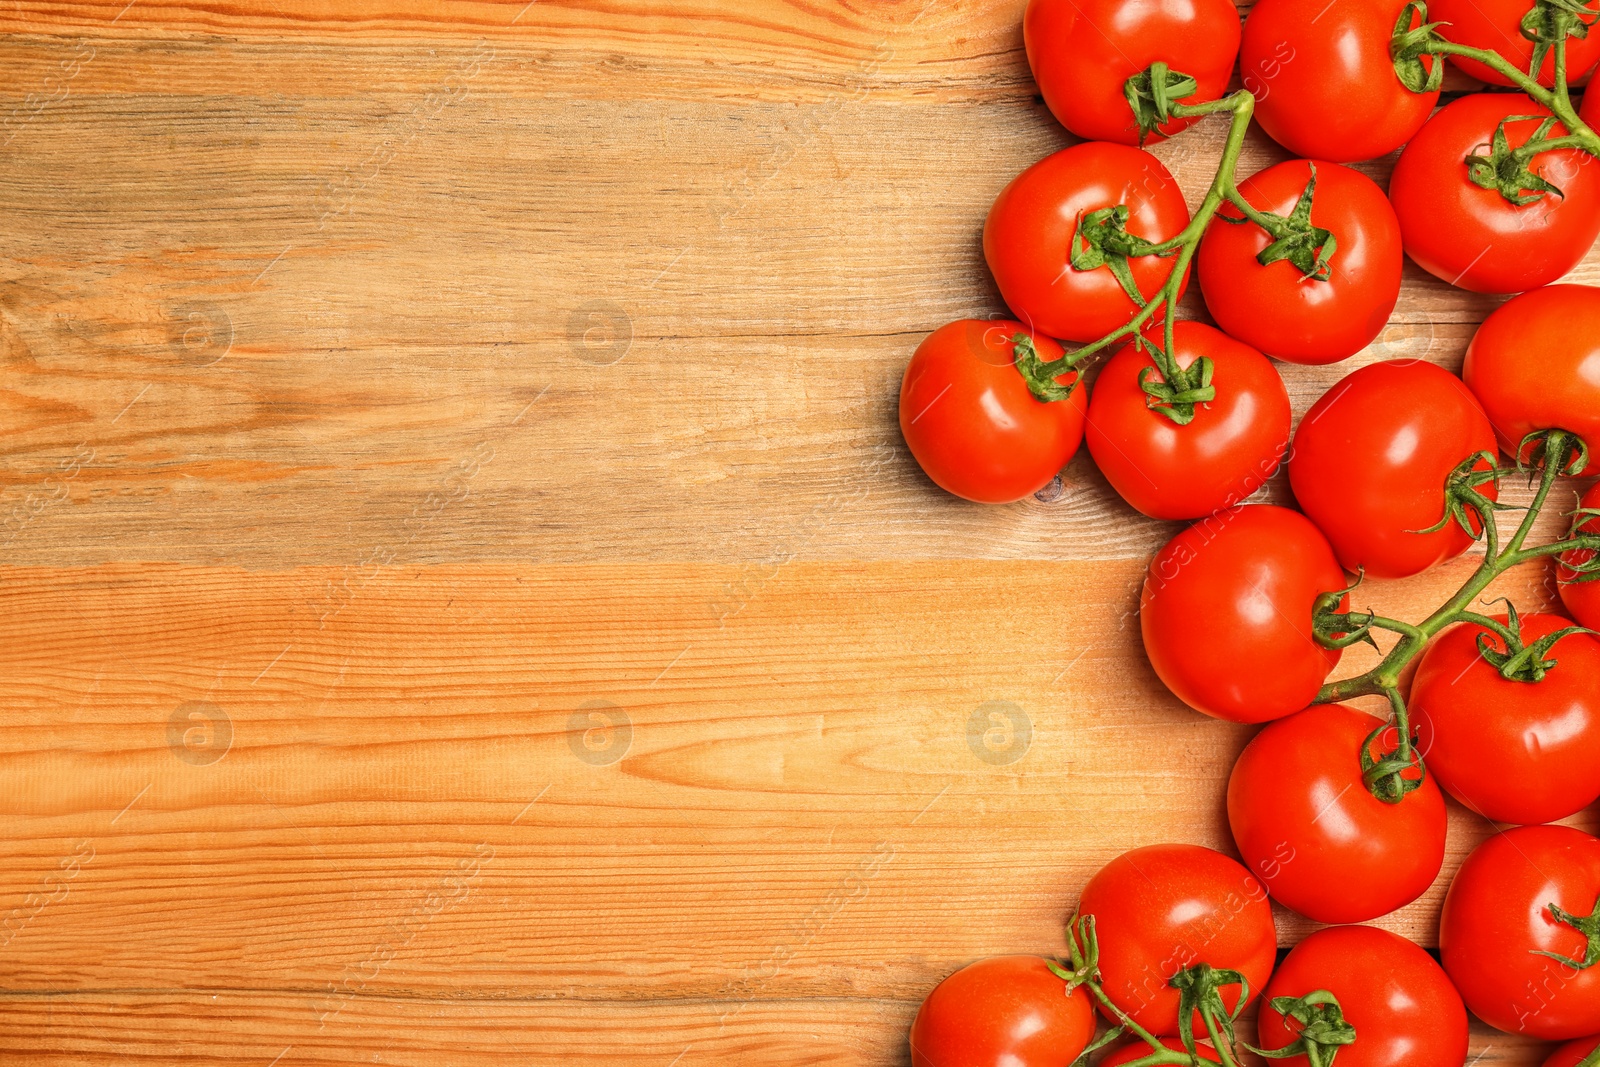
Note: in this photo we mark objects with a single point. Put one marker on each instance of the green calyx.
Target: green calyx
(1518, 662)
(1551, 21)
(1587, 569)
(1333, 628)
(1542, 447)
(1175, 395)
(1407, 46)
(1153, 92)
(1463, 499)
(1388, 776)
(1323, 1029)
(1102, 240)
(1040, 375)
(1294, 238)
(1588, 926)
(1200, 992)
(1505, 170)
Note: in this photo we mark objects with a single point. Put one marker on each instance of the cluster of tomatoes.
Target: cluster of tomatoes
(1336, 814)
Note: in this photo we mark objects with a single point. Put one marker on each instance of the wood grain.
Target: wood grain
(465, 596)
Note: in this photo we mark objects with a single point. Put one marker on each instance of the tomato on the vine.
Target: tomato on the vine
(1580, 592)
(1034, 224)
(1276, 307)
(1164, 908)
(1135, 1049)
(1233, 445)
(1403, 1007)
(1371, 459)
(1226, 613)
(1084, 51)
(1505, 911)
(1535, 365)
(1309, 828)
(1572, 1053)
(1325, 87)
(1473, 237)
(1006, 1011)
(1495, 26)
(971, 421)
(1512, 750)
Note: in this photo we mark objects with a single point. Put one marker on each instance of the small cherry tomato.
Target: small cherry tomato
(1309, 828)
(1403, 1007)
(1084, 51)
(1535, 365)
(1161, 909)
(1511, 750)
(1325, 86)
(1230, 449)
(1474, 237)
(1251, 575)
(1135, 1049)
(1582, 595)
(1033, 226)
(1276, 307)
(1572, 1053)
(1371, 459)
(1495, 26)
(971, 421)
(1007, 1011)
(1504, 911)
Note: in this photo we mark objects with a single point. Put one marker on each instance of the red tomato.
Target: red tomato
(1135, 1049)
(1325, 86)
(1473, 237)
(1028, 236)
(1512, 751)
(1370, 462)
(1008, 1011)
(1497, 919)
(1535, 365)
(1582, 598)
(1309, 828)
(1084, 51)
(1232, 447)
(1253, 574)
(1275, 307)
(969, 418)
(1572, 1053)
(1164, 908)
(1495, 26)
(1403, 1007)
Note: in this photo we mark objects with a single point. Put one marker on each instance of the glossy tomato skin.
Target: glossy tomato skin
(1006, 1011)
(1253, 573)
(1515, 752)
(1325, 88)
(970, 420)
(1233, 445)
(1473, 237)
(1135, 1049)
(1494, 25)
(1582, 599)
(1083, 51)
(1535, 365)
(1275, 308)
(1371, 459)
(1162, 908)
(1403, 1007)
(1497, 919)
(1572, 1053)
(1309, 828)
(1028, 236)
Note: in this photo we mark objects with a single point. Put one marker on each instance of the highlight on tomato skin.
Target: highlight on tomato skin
(1573, 1052)
(970, 420)
(1005, 1011)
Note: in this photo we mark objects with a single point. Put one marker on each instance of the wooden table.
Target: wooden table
(466, 599)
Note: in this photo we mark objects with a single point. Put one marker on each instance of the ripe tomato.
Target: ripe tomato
(1084, 51)
(1370, 462)
(1582, 598)
(1007, 1011)
(1028, 237)
(1495, 26)
(1253, 574)
(1275, 307)
(1535, 365)
(1473, 237)
(1163, 908)
(1497, 919)
(1325, 87)
(1572, 1053)
(969, 418)
(1403, 1007)
(1308, 827)
(1232, 447)
(1512, 751)
(1135, 1049)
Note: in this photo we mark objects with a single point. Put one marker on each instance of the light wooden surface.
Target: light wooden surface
(464, 596)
